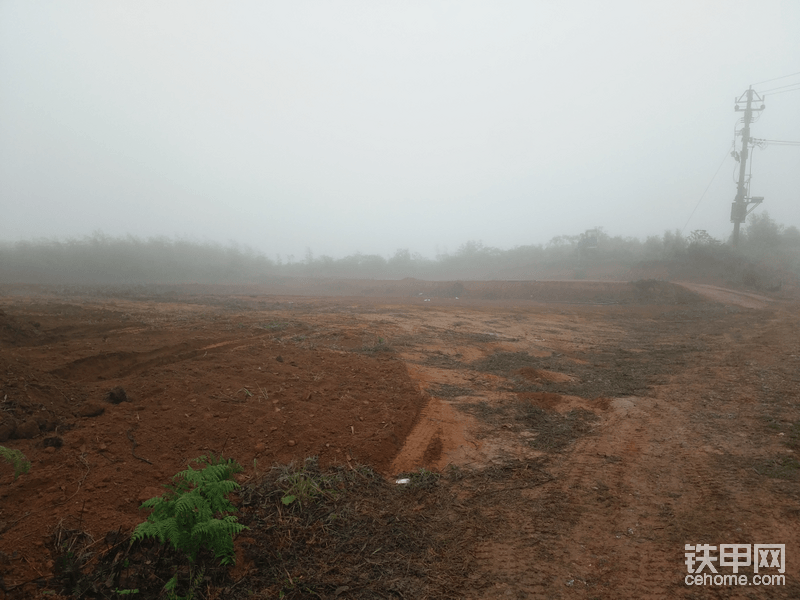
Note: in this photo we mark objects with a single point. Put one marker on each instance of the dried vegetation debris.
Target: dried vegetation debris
(325, 533)
(440, 360)
(619, 371)
(505, 362)
(349, 530)
(312, 533)
(357, 535)
(114, 567)
(553, 431)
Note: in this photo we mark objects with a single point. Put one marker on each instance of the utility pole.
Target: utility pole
(739, 208)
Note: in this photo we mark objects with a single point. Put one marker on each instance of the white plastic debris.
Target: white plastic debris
(403, 481)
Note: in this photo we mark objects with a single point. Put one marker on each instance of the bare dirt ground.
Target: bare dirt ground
(586, 431)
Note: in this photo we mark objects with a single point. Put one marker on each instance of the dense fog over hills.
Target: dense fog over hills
(375, 126)
(104, 260)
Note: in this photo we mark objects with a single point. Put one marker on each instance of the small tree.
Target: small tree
(763, 233)
(700, 237)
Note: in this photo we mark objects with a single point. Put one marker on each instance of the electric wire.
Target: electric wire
(784, 91)
(776, 142)
(779, 87)
(775, 78)
(727, 153)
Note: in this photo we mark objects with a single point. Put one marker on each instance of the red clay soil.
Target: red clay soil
(663, 418)
(197, 380)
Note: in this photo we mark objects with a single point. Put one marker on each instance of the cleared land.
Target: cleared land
(583, 433)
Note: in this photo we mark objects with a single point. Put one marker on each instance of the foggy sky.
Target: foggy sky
(372, 126)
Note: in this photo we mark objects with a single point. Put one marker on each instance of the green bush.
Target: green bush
(186, 516)
(17, 459)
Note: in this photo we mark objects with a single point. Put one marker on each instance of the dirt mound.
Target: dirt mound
(642, 291)
(570, 291)
(728, 296)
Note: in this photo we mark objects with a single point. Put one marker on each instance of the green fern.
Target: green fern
(194, 583)
(185, 515)
(17, 459)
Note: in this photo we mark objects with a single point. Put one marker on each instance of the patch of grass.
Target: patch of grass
(423, 479)
(554, 431)
(17, 459)
(786, 467)
(505, 363)
(557, 431)
(262, 393)
(793, 436)
(441, 361)
(359, 535)
(275, 325)
(492, 414)
(531, 472)
(305, 484)
(486, 412)
(375, 346)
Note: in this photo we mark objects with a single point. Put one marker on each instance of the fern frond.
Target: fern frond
(149, 529)
(188, 502)
(184, 516)
(216, 494)
(152, 502)
(216, 472)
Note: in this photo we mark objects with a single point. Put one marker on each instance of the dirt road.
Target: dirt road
(611, 429)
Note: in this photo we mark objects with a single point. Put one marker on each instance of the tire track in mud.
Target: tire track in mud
(655, 448)
(615, 508)
(624, 499)
(626, 512)
(596, 530)
(529, 521)
(533, 553)
(113, 365)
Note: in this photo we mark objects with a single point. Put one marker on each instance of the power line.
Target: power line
(784, 91)
(781, 87)
(775, 78)
(778, 142)
(727, 153)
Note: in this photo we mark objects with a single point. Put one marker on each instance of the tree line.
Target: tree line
(100, 259)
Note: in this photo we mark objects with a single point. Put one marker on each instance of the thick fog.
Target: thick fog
(348, 126)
